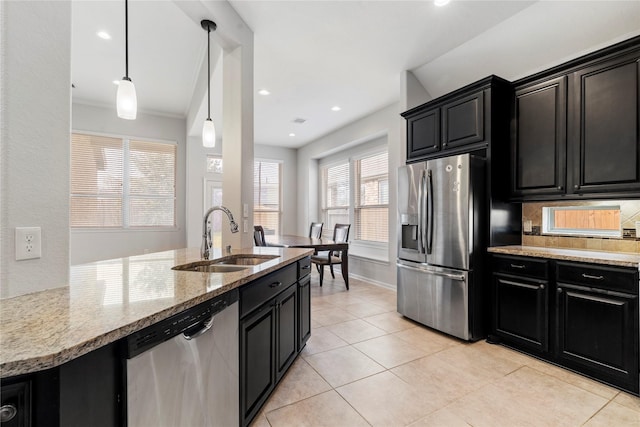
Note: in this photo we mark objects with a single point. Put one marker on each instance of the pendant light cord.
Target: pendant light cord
(126, 38)
(208, 73)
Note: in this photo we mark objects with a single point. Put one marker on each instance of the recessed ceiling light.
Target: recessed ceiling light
(292, 134)
(440, 2)
(336, 108)
(264, 92)
(104, 35)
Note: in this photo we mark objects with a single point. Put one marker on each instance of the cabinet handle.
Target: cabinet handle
(559, 290)
(7, 413)
(559, 187)
(435, 146)
(306, 267)
(588, 276)
(576, 186)
(541, 286)
(275, 284)
(517, 266)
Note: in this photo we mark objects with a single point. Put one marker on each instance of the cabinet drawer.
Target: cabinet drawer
(530, 267)
(304, 267)
(603, 277)
(255, 294)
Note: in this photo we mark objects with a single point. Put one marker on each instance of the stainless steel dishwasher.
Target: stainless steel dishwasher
(183, 371)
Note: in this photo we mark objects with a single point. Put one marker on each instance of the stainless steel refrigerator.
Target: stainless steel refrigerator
(442, 224)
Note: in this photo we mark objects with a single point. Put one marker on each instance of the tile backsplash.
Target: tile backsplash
(629, 214)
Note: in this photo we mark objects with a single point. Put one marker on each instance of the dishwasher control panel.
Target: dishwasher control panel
(160, 332)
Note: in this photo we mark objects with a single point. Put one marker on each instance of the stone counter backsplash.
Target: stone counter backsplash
(629, 214)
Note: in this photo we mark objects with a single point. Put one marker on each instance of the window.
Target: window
(122, 183)
(335, 197)
(267, 195)
(595, 221)
(372, 198)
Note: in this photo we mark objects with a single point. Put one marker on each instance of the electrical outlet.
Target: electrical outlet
(527, 226)
(245, 210)
(245, 226)
(28, 243)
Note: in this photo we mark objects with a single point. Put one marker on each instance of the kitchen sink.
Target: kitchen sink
(208, 267)
(244, 259)
(226, 264)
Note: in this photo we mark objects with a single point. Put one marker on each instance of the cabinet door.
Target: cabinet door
(463, 121)
(257, 360)
(423, 134)
(522, 312)
(605, 133)
(286, 329)
(538, 146)
(304, 312)
(597, 334)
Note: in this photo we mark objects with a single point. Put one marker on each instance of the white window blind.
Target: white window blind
(120, 183)
(371, 208)
(267, 197)
(335, 206)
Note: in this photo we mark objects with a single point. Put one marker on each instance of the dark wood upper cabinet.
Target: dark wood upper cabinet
(424, 131)
(460, 121)
(605, 132)
(538, 162)
(576, 128)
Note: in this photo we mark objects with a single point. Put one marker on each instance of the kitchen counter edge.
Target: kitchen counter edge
(579, 255)
(53, 335)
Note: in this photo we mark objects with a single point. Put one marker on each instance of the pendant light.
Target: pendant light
(208, 129)
(126, 101)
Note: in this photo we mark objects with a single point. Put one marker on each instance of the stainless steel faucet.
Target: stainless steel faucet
(206, 238)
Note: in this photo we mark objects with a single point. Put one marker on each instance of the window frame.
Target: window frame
(370, 250)
(549, 228)
(126, 197)
(280, 210)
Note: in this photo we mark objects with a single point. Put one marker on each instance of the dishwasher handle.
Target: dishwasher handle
(201, 328)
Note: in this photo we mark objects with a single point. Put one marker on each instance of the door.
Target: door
(436, 297)
(521, 313)
(286, 329)
(448, 201)
(257, 360)
(411, 206)
(605, 128)
(423, 134)
(538, 148)
(463, 121)
(596, 333)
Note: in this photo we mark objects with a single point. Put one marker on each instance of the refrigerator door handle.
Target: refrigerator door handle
(458, 277)
(421, 213)
(431, 213)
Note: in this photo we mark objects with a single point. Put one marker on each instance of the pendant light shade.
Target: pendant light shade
(208, 134)
(208, 129)
(126, 100)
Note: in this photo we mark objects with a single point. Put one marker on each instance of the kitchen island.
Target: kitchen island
(106, 302)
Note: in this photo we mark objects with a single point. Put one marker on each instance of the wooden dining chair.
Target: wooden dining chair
(315, 230)
(258, 236)
(340, 235)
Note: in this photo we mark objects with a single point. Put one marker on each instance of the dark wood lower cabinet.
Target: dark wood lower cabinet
(597, 333)
(522, 312)
(583, 316)
(286, 329)
(304, 298)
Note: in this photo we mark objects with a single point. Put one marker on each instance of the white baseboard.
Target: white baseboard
(373, 282)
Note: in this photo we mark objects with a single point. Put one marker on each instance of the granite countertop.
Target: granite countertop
(109, 300)
(580, 255)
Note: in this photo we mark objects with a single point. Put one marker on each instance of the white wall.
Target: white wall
(85, 245)
(289, 158)
(385, 122)
(35, 103)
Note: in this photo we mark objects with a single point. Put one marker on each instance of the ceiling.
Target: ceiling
(310, 55)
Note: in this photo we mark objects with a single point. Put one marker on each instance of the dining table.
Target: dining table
(319, 244)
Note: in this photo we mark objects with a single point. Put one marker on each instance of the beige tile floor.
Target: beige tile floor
(365, 365)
